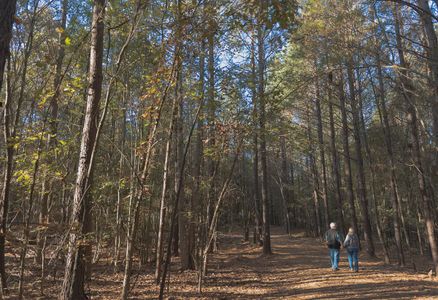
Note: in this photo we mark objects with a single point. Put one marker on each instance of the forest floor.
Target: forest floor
(298, 269)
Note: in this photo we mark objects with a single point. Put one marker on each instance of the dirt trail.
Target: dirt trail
(298, 269)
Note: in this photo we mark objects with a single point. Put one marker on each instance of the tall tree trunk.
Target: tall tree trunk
(119, 211)
(432, 50)
(427, 204)
(284, 183)
(51, 136)
(146, 159)
(347, 158)
(315, 176)
(160, 235)
(372, 169)
(292, 194)
(74, 277)
(408, 94)
(199, 153)
(4, 208)
(359, 158)
(255, 162)
(322, 154)
(211, 107)
(183, 208)
(384, 119)
(9, 133)
(7, 13)
(335, 162)
(262, 120)
(212, 226)
(177, 199)
(28, 217)
(134, 208)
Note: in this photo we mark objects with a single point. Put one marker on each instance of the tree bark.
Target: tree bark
(255, 162)
(314, 171)
(284, 183)
(27, 217)
(262, 123)
(177, 199)
(53, 128)
(358, 146)
(211, 106)
(335, 162)
(9, 133)
(4, 208)
(146, 159)
(212, 226)
(322, 154)
(347, 157)
(432, 51)
(384, 120)
(74, 277)
(408, 94)
(160, 236)
(7, 13)
(196, 195)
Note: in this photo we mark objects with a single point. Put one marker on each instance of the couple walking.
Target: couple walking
(334, 241)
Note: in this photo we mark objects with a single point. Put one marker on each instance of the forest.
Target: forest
(199, 149)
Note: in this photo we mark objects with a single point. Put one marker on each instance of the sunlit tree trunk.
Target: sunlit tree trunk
(75, 269)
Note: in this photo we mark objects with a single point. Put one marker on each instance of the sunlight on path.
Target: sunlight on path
(299, 269)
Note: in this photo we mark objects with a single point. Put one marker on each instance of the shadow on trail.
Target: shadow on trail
(299, 269)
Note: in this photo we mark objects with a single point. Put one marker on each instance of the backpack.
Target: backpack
(353, 241)
(331, 239)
